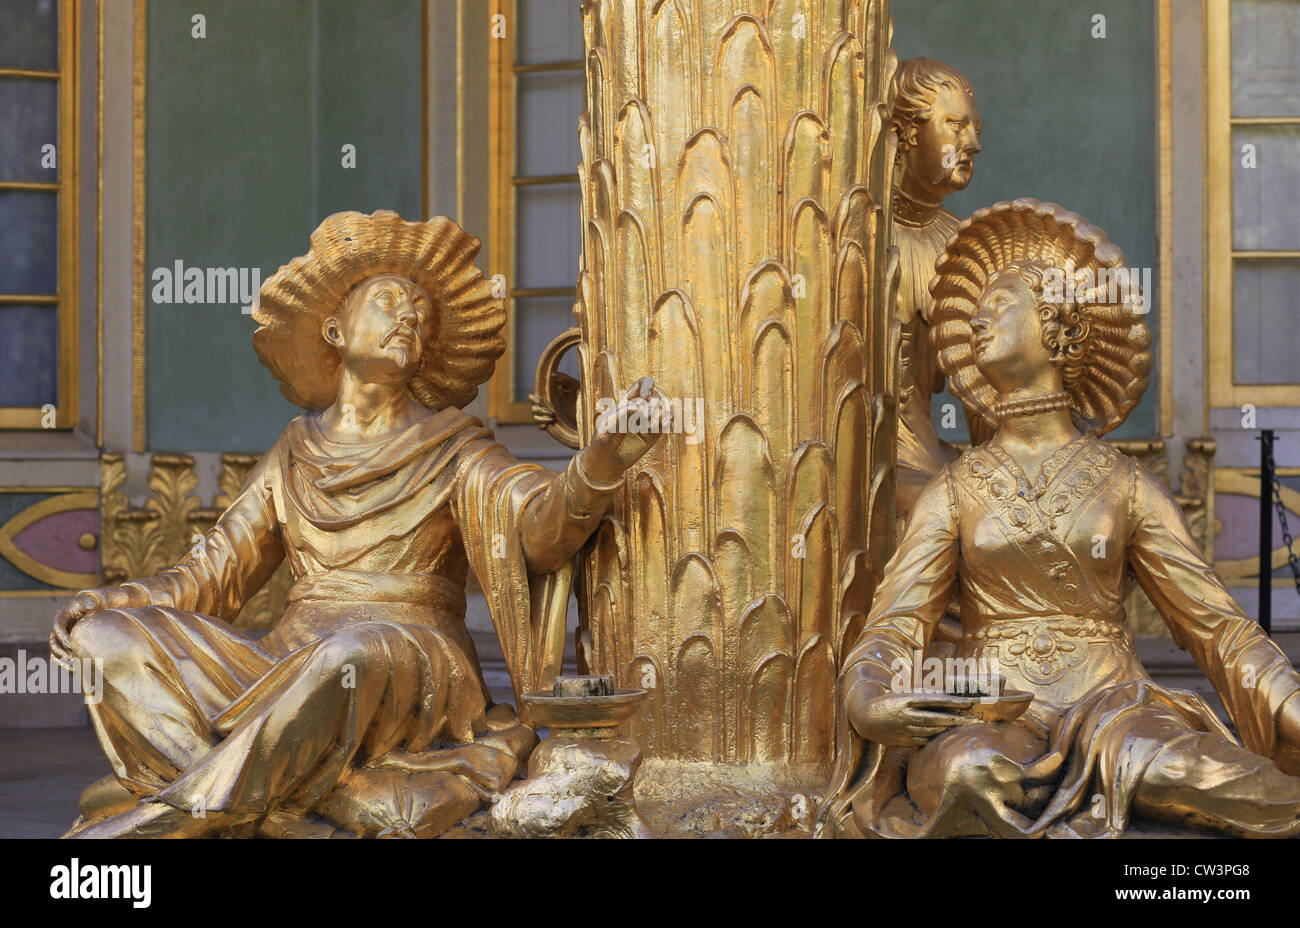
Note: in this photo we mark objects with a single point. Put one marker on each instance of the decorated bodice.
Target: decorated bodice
(1043, 567)
(1053, 545)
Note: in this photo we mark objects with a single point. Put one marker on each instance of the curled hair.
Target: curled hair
(918, 82)
(1064, 323)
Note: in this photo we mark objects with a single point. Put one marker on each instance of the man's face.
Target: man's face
(942, 161)
(382, 330)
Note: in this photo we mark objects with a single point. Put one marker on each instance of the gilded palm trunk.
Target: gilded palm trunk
(736, 168)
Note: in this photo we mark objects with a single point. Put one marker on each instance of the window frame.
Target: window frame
(504, 184)
(66, 189)
(1221, 256)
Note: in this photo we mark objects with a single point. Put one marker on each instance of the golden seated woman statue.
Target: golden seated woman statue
(364, 709)
(1037, 531)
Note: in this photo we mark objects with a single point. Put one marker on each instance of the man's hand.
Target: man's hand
(615, 449)
(543, 415)
(76, 609)
(905, 719)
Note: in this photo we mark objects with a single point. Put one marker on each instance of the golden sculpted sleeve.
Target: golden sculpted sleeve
(522, 526)
(229, 563)
(917, 587)
(1250, 672)
(561, 520)
(495, 496)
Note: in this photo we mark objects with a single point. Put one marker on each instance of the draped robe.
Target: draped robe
(1040, 571)
(365, 704)
(921, 453)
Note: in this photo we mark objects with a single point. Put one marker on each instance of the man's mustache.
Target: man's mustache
(399, 329)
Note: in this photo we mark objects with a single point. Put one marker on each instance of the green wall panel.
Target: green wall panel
(1067, 117)
(246, 125)
(245, 130)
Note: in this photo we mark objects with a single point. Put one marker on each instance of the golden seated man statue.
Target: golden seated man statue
(364, 709)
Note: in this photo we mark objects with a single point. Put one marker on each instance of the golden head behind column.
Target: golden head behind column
(938, 126)
(736, 184)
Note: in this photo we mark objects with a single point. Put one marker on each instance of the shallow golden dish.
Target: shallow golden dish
(1010, 705)
(549, 711)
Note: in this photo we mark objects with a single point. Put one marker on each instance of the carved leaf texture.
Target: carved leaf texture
(736, 177)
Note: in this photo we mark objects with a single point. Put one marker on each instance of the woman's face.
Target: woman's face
(1006, 336)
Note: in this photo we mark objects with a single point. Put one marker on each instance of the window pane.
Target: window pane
(548, 30)
(537, 321)
(29, 366)
(28, 242)
(29, 112)
(549, 106)
(1266, 58)
(1266, 210)
(29, 34)
(546, 243)
(1266, 336)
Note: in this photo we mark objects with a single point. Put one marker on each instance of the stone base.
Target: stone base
(698, 799)
(578, 788)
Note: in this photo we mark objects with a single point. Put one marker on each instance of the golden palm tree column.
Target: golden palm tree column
(736, 164)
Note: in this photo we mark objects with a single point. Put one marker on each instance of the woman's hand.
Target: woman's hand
(905, 719)
(1288, 720)
(616, 446)
(1287, 754)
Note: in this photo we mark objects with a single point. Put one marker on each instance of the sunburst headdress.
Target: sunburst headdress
(350, 247)
(1110, 354)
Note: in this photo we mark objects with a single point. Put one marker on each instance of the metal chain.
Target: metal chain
(1286, 531)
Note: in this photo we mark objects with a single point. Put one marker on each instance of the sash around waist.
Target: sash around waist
(369, 586)
(1070, 626)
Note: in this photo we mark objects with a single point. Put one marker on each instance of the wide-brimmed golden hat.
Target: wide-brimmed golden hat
(1117, 349)
(350, 247)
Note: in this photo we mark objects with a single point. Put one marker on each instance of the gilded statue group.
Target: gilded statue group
(364, 711)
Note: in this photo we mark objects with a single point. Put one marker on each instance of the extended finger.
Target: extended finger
(59, 635)
(919, 737)
(940, 701)
(936, 719)
(935, 728)
(607, 422)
